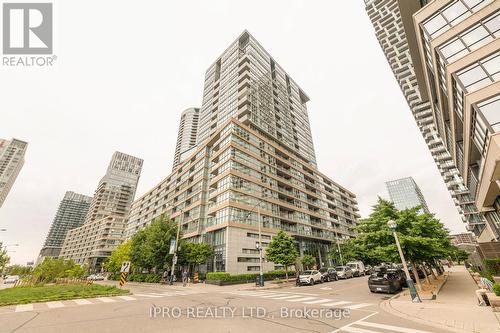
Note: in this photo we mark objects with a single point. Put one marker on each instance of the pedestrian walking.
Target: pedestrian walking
(184, 278)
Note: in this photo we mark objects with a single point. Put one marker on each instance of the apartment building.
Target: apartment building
(405, 193)
(105, 221)
(188, 132)
(254, 164)
(11, 162)
(394, 28)
(459, 49)
(463, 238)
(71, 214)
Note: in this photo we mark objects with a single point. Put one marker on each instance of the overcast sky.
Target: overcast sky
(127, 69)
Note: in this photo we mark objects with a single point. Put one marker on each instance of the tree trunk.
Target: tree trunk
(426, 276)
(432, 271)
(415, 273)
(286, 272)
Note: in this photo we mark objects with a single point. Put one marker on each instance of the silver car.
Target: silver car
(344, 272)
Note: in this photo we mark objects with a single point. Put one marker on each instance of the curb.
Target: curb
(387, 307)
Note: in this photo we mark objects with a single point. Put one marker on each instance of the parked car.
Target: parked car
(385, 280)
(309, 277)
(368, 269)
(357, 267)
(95, 277)
(11, 279)
(344, 272)
(328, 274)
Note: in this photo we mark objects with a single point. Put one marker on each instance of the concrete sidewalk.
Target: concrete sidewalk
(455, 308)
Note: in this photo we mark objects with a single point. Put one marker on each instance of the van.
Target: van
(357, 267)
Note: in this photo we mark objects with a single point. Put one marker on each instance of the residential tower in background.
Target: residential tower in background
(105, 222)
(11, 161)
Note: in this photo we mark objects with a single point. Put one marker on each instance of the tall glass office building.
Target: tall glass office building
(405, 193)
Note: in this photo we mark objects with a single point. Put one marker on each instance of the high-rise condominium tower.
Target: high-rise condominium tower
(104, 224)
(395, 31)
(458, 46)
(188, 131)
(70, 214)
(254, 165)
(246, 83)
(11, 161)
(405, 193)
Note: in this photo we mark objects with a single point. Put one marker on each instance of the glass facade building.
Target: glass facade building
(405, 193)
(254, 164)
(396, 32)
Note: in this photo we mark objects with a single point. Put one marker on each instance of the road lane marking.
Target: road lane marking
(106, 300)
(336, 303)
(326, 288)
(126, 298)
(357, 306)
(24, 307)
(319, 301)
(351, 329)
(288, 297)
(274, 295)
(82, 302)
(390, 328)
(354, 322)
(301, 299)
(54, 305)
(147, 295)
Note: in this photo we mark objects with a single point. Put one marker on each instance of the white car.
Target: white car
(11, 279)
(309, 277)
(95, 277)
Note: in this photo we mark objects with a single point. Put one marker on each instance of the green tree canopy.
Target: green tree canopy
(118, 256)
(150, 246)
(282, 251)
(308, 261)
(197, 253)
(423, 238)
(51, 269)
(4, 258)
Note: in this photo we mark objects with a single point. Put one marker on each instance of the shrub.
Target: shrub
(245, 277)
(496, 289)
(492, 266)
(51, 269)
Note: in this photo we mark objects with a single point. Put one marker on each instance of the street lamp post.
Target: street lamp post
(259, 246)
(413, 291)
(338, 247)
(174, 258)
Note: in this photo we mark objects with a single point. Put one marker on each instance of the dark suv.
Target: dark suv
(328, 274)
(385, 280)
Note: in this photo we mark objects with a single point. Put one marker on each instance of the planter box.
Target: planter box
(494, 301)
(226, 283)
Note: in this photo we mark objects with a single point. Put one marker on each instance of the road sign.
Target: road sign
(123, 278)
(125, 267)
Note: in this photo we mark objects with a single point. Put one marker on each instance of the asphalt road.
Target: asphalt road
(341, 306)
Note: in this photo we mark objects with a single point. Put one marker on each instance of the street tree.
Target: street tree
(308, 261)
(282, 251)
(150, 246)
(4, 258)
(197, 253)
(423, 238)
(118, 256)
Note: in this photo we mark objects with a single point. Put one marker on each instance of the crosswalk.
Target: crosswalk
(364, 326)
(302, 298)
(98, 300)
